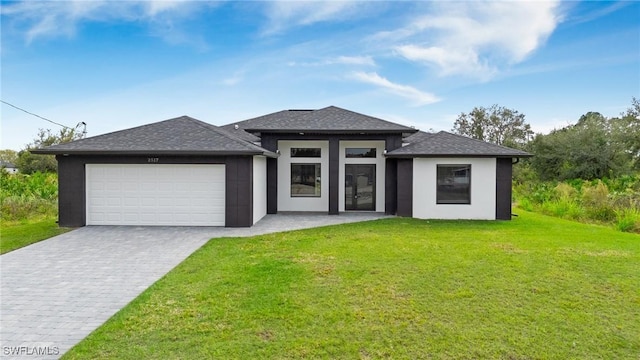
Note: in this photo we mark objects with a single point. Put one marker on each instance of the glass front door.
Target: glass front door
(360, 187)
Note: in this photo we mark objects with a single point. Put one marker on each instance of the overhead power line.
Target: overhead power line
(36, 115)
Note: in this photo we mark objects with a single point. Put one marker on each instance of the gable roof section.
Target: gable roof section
(446, 144)
(331, 119)
(179, 136)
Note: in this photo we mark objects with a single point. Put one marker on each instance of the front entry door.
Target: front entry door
(360, 187)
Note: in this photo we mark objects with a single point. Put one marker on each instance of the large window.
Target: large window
(360, 152)
(305, 180)
(454, 184)
(306, 152)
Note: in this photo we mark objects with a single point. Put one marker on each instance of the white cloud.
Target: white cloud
(285, 14)
(355, 60)
(447, 61)
(600, 12)
(418, 97)
(234, 79)
(155, 7)
(340, 60)
(41, 19)
(476, 38)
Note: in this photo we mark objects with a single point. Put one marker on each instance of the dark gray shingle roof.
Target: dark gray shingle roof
(446, 144)
(331, 119)
(182, 135)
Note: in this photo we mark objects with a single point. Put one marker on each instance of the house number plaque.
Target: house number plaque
(153, 160)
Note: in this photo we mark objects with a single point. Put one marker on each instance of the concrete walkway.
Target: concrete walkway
(55, 292)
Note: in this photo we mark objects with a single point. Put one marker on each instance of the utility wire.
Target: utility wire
(36, 115)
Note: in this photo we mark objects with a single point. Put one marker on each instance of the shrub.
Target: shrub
(596, 194)
(15, 208)
(567, 209)
(564, 208)
(24, 196)
(525, 204)
(628, 220)
(597, 202)
(626, 200)
(614, 201)
(564, 191)
(541, 193)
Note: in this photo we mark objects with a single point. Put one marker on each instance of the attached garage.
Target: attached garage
(177, 172)
(155, 194)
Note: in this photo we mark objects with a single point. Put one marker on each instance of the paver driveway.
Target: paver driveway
(55, 292)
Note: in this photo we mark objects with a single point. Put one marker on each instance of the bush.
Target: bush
(614, 201)
(596, 195)
(597, 201)
(26, 196)
(21, 207)
(564, 191)
(628, 220)
(563, 208)
(525, 204)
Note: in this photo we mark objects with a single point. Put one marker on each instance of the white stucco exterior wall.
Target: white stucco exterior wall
(379, 161)
(483, 190)
(259, 188)
(285, 201)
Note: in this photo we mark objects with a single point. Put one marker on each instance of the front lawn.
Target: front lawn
(17, 234)
(535, 287)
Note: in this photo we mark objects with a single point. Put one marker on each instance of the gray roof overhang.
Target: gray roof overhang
(411, 156)
(153, 152)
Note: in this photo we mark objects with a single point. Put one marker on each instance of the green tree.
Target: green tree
(9, 156)
(496, 124)
(587, 150)
(626, 130)
(29, 163)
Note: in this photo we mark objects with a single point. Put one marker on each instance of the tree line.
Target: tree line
(28, 163)
(595, 147)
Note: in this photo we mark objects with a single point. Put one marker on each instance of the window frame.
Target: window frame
(317, 181)
(362, 155)
(449, 201)
(294, 150)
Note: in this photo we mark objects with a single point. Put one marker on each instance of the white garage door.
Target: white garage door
(155, 194)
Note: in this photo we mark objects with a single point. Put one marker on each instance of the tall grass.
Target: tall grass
(607, 201)
(28, 196)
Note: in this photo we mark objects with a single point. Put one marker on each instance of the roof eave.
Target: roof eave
(153, 152)
(505, 156)
(330, 131)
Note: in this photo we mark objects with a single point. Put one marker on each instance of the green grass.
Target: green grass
(14, 235)
(534, 288)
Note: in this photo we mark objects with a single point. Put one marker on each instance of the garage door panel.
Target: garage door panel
(130, 186)
(155, 194)
(98, 185)
(111, 216)
(165, 187)
(167, 202)
(131, 201)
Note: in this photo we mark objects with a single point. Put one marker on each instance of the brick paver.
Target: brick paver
(55, 292)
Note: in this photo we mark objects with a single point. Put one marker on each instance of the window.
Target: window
(454, 184)
(360, 152)
(305, 180)
(305, 152)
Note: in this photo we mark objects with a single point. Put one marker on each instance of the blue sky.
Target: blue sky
(118, 64)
